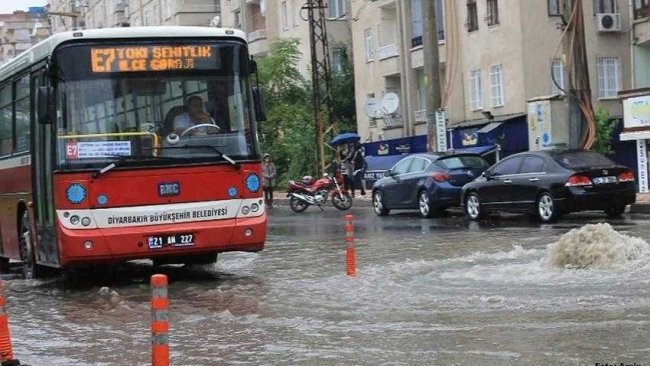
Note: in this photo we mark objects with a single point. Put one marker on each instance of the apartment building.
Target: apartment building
(496, 56)
(91, 14)
(267, 20)
(20, 30)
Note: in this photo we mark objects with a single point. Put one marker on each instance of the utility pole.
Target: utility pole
(431, 70)
(574, 56)
(320, 77)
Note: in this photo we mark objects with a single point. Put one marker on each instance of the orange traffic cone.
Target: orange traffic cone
(159, 321)
(351, 263)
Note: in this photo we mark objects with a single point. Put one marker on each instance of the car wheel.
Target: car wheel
(615, 211)
(545, 208)
(473, 208)
(378, 204)
(424, 204)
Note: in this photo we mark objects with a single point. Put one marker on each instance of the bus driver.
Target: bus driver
(194, 116)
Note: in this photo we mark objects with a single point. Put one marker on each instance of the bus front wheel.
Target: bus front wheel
(31, 270)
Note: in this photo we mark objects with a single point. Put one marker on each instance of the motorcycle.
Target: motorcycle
(308, 192)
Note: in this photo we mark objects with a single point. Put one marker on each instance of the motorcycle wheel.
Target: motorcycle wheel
(342, 201)
(297, 205)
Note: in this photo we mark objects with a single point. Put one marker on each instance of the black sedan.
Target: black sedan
(550, 183)
(426, 182)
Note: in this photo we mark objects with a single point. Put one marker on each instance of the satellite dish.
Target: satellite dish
(390, 103)
(372, 108)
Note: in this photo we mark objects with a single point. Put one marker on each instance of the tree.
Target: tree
(288, 132)
(604, 129)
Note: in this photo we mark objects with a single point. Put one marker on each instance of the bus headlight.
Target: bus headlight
(255, 207)
(245, 210)
(85, 221)
(74, 220)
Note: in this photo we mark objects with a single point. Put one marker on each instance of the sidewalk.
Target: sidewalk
(642, 204)
(280, 198)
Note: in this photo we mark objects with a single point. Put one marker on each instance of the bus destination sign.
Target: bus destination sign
(153, 58)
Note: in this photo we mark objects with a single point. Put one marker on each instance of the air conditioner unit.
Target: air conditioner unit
(608, 22)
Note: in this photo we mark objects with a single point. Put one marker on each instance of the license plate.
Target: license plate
(605, 180)
(170, 240)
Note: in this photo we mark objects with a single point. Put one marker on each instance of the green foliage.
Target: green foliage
(288, 133)
(604, 129)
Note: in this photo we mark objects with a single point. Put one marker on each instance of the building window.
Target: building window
(476, 91)
(416, 23)
(492, 17)
(237, 16)
(440, 19)
(605, 6)
(609, 77)
(496, 86)
(338, 57)
(641, 9)
(472, 16)
(294, 13)
(422, 91)
(283, 15)
(335, 9)
(367, 36)
(554, 8)
(557, 68)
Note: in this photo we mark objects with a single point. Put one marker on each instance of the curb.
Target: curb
(640, 208)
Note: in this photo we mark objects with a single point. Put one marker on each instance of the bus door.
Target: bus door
(42, 192)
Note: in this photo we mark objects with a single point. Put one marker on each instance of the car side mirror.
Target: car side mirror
(388, 173)
(486, 175)
(44, 95)
(258, 101)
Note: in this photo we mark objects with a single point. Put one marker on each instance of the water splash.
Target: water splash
(596, 246)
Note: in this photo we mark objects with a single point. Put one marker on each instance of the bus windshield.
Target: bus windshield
(149, 104)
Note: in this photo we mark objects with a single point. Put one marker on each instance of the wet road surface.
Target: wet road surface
(429, 291)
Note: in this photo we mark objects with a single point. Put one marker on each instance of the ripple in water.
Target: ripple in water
(596, 246)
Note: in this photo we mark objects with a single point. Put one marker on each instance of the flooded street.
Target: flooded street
(440, 292)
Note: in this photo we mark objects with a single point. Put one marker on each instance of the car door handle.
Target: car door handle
(507, 181)
(533, 180)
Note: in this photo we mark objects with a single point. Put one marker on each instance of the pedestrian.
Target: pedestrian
(360, 167)
(268, 173)
(347, 169)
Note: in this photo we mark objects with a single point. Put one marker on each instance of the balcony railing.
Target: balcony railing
(420, 116)
(387, 51)
(256, 35)
(393, 121)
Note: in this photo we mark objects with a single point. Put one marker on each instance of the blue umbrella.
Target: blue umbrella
(345, 138)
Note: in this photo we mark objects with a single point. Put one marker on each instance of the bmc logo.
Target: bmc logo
(169, 189)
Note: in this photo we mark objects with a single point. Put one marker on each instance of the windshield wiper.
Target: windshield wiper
(213, 148)
(122, 158)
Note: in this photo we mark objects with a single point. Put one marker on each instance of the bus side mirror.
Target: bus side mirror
(43, 106)
(258, 101)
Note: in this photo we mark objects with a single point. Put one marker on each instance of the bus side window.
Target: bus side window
(23, 109)
(6, 116)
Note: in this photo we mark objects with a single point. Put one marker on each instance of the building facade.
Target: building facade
(21, 30)
(91, 14)
(268, 20)
(496, 57)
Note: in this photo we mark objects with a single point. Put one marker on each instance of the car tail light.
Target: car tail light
(440, 177)
(626, 176)
(578, 180)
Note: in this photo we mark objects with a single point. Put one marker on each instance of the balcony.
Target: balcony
(257, 42)
(256, 35)
(420, 116)
(641, 11)
(391, 122)
(642, 33)
(387, 51)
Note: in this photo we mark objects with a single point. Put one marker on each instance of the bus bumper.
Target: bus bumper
(79, 247)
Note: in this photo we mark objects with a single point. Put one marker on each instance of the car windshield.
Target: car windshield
(461, 162)
(582, 159)
(187, 106)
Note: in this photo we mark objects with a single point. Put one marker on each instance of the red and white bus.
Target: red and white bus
(104, 159)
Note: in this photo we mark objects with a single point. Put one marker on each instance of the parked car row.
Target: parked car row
(546, 184)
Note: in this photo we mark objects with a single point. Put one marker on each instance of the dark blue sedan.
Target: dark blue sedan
(428, 182)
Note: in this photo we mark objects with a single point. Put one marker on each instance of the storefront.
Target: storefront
(636, 127)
